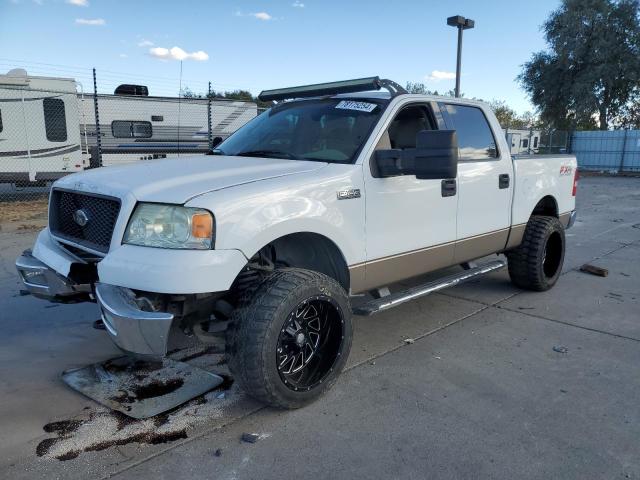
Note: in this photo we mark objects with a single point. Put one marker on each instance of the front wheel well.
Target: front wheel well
(309, 251)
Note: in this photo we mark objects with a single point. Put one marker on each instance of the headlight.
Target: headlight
(170, 226)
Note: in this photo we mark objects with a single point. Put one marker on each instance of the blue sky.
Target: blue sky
(272, 43)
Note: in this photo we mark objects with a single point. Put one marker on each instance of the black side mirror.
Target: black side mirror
(435, 157)
(436, 154)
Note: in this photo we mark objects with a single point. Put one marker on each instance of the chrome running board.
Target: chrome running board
(398, 298)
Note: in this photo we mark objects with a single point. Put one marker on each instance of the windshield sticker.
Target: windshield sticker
(359, 106)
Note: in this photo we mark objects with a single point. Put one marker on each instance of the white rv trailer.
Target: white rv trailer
(523, 141)
(39, 128)
(134, 128)
(47, 128)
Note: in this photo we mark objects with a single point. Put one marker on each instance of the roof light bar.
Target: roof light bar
(331, 88)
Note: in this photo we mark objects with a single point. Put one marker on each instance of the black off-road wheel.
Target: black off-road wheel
(290, 338)
(537, 263)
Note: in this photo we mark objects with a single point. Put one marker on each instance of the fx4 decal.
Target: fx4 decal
(566, 170)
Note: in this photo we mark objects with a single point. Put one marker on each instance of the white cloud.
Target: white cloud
(78, 3)
(438, 75)
(123, 55)
(91, 21)
(145, 43)
(176, 53)
(264, 16)
(297, 4)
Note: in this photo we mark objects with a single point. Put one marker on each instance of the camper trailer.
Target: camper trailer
(48, 128)
(523, 141)
(39, 128)
(136, 127)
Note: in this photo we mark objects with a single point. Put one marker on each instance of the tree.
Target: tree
(591, 70)
(419, 88)
(238, 95)
(507, 117)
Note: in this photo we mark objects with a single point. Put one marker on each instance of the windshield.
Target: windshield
(328, 130)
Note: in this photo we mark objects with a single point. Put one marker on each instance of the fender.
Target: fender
(247, 218)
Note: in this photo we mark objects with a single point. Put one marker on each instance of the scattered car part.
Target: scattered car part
(593, 270)
(141, 389)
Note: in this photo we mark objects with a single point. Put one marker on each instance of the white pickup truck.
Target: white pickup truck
(338, 189)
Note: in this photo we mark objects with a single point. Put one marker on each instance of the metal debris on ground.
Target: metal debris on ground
(141, 389)
(409, 341)
(593, 270)
(250, 437)
(560, 349)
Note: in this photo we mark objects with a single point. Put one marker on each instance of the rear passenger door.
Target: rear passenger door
(484, 183)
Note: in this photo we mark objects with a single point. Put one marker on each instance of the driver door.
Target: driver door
(410, 223)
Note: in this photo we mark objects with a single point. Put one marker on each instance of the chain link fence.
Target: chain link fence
(537, 141)
(48, 131)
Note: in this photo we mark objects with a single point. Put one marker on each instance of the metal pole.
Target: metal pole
(179, 98)
(95, 108)
(459, 62)
(209, 129)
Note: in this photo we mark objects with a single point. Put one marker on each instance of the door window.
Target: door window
(55, 120)
(404, 128)
(475, 138)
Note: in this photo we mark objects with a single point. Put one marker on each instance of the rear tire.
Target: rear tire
(289, 340)
(537, 263)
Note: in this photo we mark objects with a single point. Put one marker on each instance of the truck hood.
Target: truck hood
(181, 179)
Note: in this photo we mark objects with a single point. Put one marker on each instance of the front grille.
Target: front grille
(68, 210)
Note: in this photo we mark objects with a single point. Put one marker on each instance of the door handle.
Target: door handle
(503, 180)
(449, 187)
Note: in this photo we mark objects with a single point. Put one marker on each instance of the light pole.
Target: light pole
(461, 24)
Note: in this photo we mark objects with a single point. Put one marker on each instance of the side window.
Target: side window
(535, 142)
(141, 129)
(475, 138)
(131, 129)
(405, 126)
(55, 120)
(525, 143)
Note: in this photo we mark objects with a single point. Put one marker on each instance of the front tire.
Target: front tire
(537, 263)
(290, 339)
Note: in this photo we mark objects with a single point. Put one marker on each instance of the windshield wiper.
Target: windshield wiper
(268, 154)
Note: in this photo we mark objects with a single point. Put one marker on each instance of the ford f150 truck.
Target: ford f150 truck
(338, 189)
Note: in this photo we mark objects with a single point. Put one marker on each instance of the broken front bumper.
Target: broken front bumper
(136, 331)
(44, 282)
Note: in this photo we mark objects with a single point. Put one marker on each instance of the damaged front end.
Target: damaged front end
(45, 283)
(139, 323)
